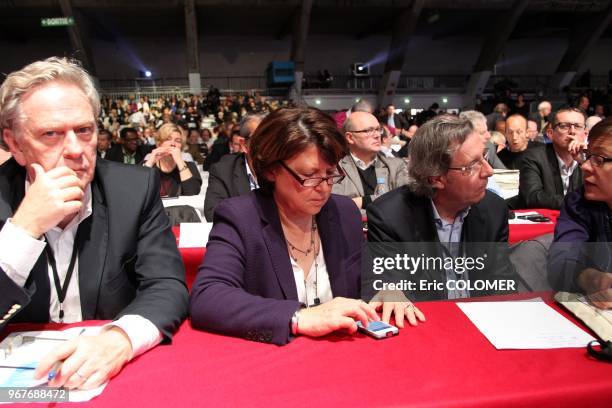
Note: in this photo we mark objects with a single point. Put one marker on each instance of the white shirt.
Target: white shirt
(252, 180)
(19, 252)
(316, 284)
(566, 172)
(361, 164)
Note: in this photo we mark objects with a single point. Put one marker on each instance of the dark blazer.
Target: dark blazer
(115, 154)
(400, 122)
(219, 149)
(401, 216)
(128, 260)
(226, 178)
(177, 187)
(583, 239)
(540, 179)
(514, 161)
(245, 286)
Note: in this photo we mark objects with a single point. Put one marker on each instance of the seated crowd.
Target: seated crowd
(287, 191)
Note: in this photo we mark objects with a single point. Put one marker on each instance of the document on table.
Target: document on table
(194, 234)
(21, 352)
(528, 324)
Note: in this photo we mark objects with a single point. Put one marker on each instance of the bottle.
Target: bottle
(381, 187)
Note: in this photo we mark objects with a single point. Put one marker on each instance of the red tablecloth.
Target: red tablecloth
(522, 232)
(444, 362)
(192, 258)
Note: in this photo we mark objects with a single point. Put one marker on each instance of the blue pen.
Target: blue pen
(54, 370)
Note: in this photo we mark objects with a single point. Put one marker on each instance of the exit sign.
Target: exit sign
(57, 21)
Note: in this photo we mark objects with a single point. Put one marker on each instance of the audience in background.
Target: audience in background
(129, 151)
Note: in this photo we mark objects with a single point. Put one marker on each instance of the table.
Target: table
(443, 362)
(192, 258)
(522, 232)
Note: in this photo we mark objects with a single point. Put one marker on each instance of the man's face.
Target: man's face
(460, 188)
(516, 133)
(562, 138)
(363, 136)
(545, 110)
(584, 103)
(55, 134)
(390, 110)
(130, 143)
(237, 144)
(103, 142)
(532, 130)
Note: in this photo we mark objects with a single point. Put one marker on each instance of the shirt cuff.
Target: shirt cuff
(19, 252)
(143, 334)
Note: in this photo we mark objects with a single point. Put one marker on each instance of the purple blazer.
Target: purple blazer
(245, 285)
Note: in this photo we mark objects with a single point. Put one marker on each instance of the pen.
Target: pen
(54, 370)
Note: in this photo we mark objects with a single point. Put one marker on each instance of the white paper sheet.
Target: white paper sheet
(194, 234)
(530, 324)
(26, 349)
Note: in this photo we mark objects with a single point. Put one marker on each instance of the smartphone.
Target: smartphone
(378, 330)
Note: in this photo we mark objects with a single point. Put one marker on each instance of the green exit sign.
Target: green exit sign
(57, 21)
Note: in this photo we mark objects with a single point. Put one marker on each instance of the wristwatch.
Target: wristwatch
(295, 321)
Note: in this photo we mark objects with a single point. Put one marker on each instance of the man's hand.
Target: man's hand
(339, 313)
(88, 361)
(598, 287)
(53, 196)
(577, 144)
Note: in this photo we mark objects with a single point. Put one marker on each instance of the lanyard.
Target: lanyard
(60, 289)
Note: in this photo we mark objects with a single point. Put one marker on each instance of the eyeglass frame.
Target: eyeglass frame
(577, 126)
(588, 156)
(370, 131)
(301, 180)
(469, 169)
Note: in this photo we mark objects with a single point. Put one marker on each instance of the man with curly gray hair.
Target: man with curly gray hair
(446, 201)
(80, 240)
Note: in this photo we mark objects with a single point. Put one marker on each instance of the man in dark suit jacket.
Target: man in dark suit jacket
(392, 119)
(232, 175)
(80, 240)
(445, 207)
(549, 172)
(128, 152)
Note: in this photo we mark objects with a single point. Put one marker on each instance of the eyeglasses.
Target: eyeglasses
(595, 159)
(474, 166)
(565, 126)
(315, 181)
(376, 131)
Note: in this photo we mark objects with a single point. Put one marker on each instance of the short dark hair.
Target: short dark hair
(602, 130)
(286, 133)
(567, 109)
(125, 131)
(107, 133)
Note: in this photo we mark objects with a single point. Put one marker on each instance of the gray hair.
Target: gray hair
(246, 119)
(20, 82)
(544, 104)
(362, 106)
(432, 149)
(473, 116)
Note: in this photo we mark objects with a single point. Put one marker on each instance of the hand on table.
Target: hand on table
(339, 313)
(598, 287)
(52, 196)
(396, 303)
(87, 361)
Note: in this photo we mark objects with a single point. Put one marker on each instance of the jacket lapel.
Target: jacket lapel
(332, 248)
(241, 179)
(277, 247)
(92, 241)
(554, 167)
(350, 169)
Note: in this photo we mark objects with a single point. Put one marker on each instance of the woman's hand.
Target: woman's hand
(156, 155)
(396, 303)
(339, 313)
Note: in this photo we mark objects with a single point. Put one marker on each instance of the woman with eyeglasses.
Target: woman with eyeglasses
(285, 260)
(580, 258)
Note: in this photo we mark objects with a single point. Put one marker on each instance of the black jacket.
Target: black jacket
(402, 217)
(226, 178)
(128, 259)
(540, 180)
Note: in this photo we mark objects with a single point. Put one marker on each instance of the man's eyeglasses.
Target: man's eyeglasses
(565, 126)
(376, 131)
(596, 160)
(315, 181)
(474, 166)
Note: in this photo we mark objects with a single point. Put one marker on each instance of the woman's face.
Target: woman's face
(290, 195)
(597, 185)
(175, 140)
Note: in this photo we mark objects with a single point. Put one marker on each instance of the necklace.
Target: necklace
(311, 248)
